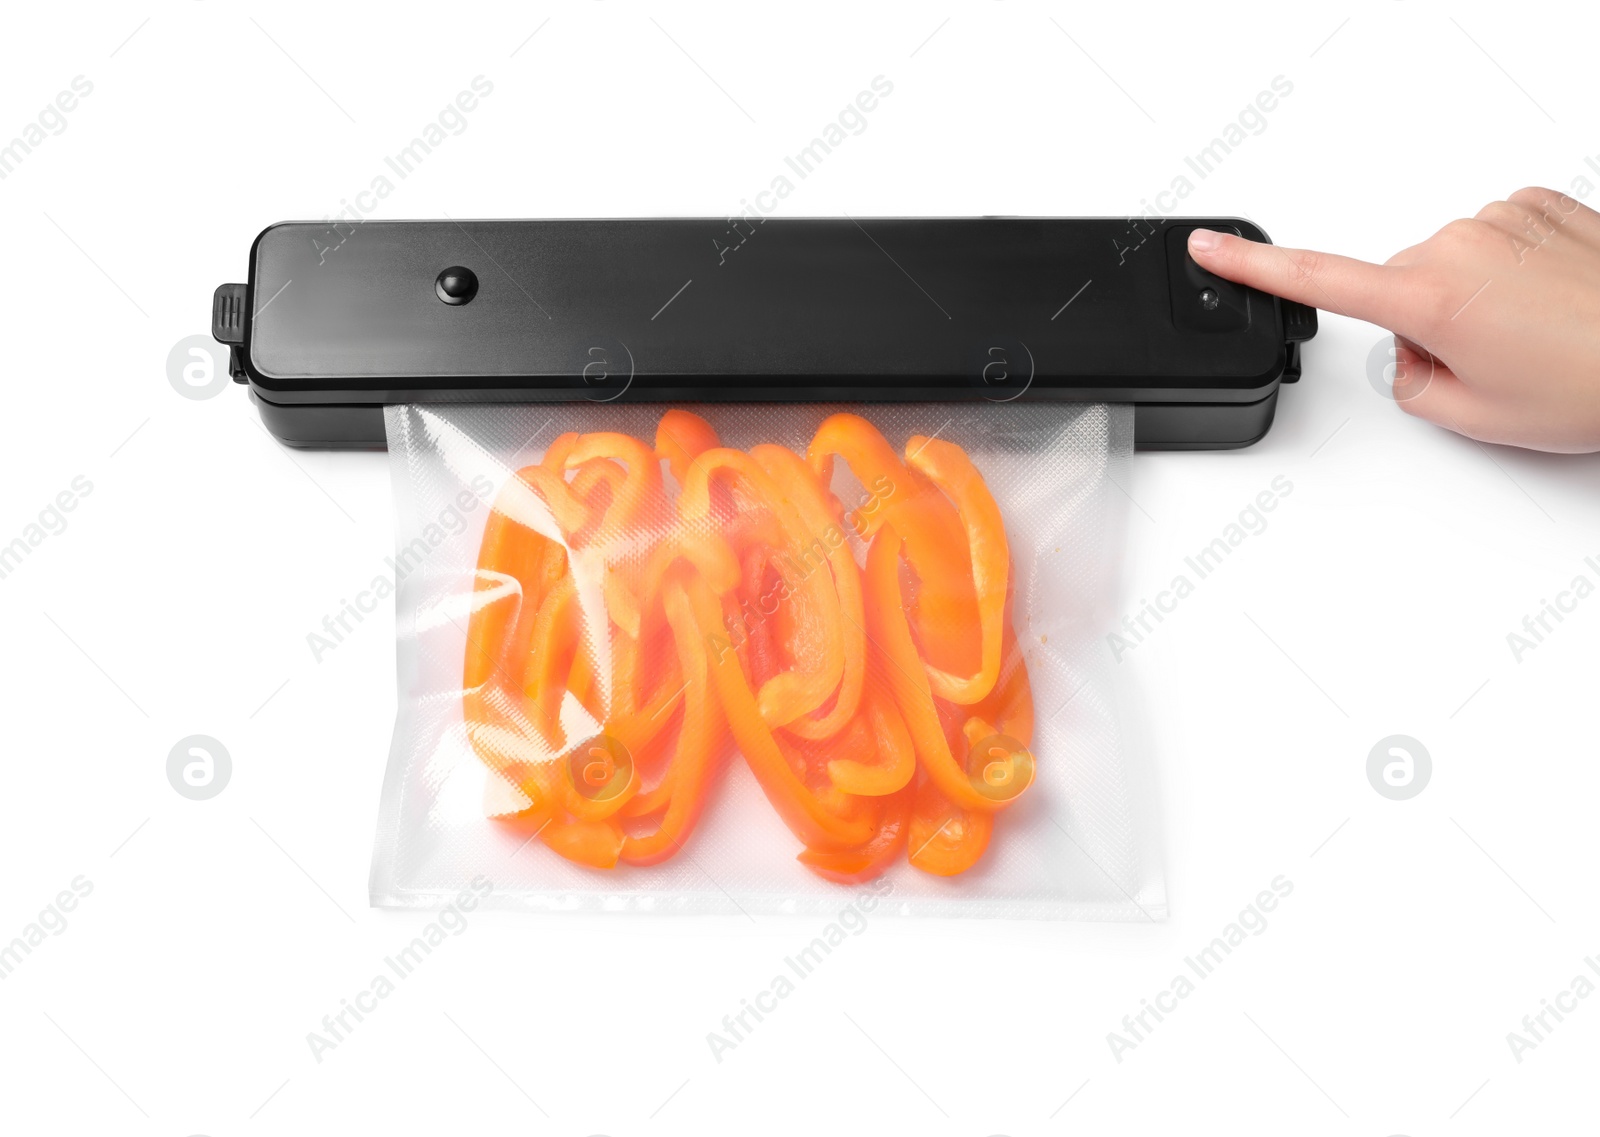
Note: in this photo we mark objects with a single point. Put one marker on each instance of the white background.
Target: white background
(1378, 601)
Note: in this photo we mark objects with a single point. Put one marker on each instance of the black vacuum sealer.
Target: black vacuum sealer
(339, 319)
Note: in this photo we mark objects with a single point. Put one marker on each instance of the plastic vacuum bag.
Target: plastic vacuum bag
(733, 658)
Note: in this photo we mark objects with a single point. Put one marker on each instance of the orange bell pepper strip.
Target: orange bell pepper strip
(1009, 706)
(945, 839)
(870, 458)
(597, 844)
(908, 679)
(507, 744)
(536, 495)
(632, 693)
(637, 725)
(755, 536)
(944, 607)
(618, 479)
(631, 726)
(649, 802)
(531, 647)
(597, 483)
(517, 567)
(517, 564)
(648, 729)
(555, 455)
(698, 737)
(681, 437)
(596, 779)
(807, 813)
(891, 758)
(707, 552)
(998, 764)
(786, 627)
(870, 860)
(792, 693)
(640, 491)
(999, 729)
(497, 599)
(827, 551)
(551, 648)
(514, 657)
(644, 715)
(584, 685)
(947, 466)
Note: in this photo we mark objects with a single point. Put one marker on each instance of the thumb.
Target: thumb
(1344, 285)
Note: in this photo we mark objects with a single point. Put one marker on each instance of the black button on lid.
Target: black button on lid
(456, 285)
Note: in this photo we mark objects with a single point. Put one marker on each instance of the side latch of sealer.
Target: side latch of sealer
(1299, 325)
(227, 325)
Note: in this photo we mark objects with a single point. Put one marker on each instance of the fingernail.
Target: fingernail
(1204, 241)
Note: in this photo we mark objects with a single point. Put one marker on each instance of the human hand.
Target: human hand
(1496, 319)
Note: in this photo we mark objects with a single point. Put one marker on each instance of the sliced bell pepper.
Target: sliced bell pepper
(508, 745)
(948, 467)
(890, 758)
(943, 606)
(882, 712)
(551, 648)
(555, 455)
(645, 728)
(815, 678)
(945, 839)
(642, 692)
(998, 765)
(639, 494)
(597, 844)
(786, 626)
(871, 859)
(708, 552)
(597, 778)
(807, 813)
(870, 458)
(698, 737)
(826, 552)
(681, 437)
(1009, 705)
(597, 483)
(537, 497)
(517, 567)
(517, 564)
(908, 679)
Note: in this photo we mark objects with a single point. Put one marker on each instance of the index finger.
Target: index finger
(1344, 285)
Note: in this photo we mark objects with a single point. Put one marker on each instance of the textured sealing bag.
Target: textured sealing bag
(745, 657)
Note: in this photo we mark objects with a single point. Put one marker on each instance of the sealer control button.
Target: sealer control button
(456, 285)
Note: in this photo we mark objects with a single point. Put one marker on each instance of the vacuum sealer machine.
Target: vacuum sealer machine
(336, 320)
